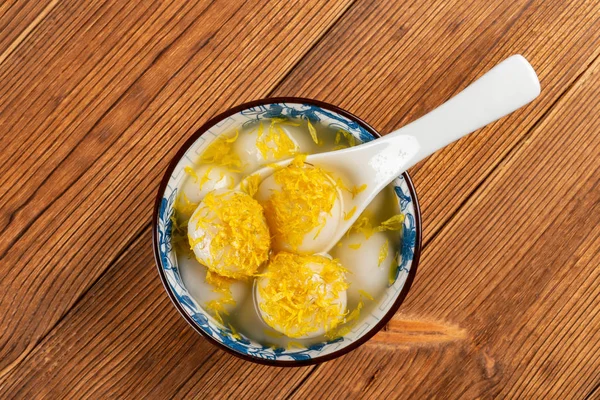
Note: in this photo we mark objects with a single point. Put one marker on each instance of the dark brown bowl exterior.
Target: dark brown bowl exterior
(280, 363)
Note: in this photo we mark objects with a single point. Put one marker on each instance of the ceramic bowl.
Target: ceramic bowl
(203, 322)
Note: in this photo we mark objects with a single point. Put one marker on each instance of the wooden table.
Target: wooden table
(96, 96)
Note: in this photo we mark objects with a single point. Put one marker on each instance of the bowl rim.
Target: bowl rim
(155, 245)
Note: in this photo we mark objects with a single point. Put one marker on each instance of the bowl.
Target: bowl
(203, 322)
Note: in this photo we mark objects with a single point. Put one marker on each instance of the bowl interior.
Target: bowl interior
(202, 320)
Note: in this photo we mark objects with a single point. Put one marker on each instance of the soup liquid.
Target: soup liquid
(360, 256)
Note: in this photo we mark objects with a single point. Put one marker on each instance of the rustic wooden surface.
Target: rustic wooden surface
(96, 97)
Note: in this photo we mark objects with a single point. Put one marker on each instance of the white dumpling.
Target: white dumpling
(340, 301)
(252, 158)
(312, 242)
(302, 137)
(218, 178)
(232, 243)
(363, 263)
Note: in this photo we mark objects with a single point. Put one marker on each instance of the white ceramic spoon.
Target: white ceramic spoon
(505, 88)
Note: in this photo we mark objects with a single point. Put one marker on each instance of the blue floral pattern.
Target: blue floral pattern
(308, 112)
(223, 334)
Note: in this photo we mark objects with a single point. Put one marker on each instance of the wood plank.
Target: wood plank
(126, 339)
(120, 87)
(518, 269)
(415, 57)
(229, 377)
(426, 368)
(17, 20)
(98, 323)
(594, 394)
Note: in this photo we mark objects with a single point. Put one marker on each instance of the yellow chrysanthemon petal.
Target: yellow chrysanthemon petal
(275, 141)
(394, 223)
(294, 210)
(294, 301)
(241, 242)
(190, 171)
(349, 214)
(383, 252)
(313, 132)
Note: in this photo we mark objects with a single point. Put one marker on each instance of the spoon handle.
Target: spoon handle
(505, 88)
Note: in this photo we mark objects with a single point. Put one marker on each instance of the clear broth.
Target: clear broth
(244, 317)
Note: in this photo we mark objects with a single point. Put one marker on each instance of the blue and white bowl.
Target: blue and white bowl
(202, 321)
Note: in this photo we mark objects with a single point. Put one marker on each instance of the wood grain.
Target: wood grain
(524, 281)
(126, 329)
(416, 57)
(100, 109)
(506, 300)
(17, 20)
(406, 332)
